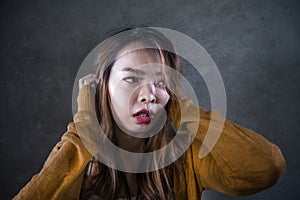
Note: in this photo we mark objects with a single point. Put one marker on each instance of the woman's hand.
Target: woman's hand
(89, 79)
(86, 95)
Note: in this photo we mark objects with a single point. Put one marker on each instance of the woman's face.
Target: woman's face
(137, 91)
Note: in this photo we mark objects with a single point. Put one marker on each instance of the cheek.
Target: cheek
(121, 101)
(114, 95)
(162, 97)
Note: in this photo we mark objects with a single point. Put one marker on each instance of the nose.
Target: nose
(147, 93)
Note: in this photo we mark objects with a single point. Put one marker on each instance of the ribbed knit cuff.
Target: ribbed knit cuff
(86, 99)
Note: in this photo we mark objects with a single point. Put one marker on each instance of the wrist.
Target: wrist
(86, 99)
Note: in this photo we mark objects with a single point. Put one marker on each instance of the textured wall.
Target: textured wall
(255, 44)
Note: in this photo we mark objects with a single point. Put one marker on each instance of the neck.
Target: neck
(128, 142)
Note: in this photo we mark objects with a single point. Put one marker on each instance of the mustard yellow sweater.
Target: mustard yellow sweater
(241, 163)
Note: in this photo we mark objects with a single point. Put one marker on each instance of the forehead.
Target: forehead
(137, 59)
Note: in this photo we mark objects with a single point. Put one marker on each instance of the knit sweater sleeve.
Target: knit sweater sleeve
(240, 163)
(62, 173)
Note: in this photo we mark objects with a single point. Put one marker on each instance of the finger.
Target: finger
(89, 79)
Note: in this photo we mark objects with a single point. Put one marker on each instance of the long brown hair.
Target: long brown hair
(104, 181)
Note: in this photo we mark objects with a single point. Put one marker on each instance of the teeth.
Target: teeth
(143, 115)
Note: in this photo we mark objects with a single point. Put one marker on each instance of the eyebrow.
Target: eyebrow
(138, 71)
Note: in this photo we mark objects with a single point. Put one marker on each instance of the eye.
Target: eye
(161, 83)
(131, 80)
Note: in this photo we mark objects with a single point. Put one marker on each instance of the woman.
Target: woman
(137, 107)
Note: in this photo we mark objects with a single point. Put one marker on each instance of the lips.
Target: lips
(143, 116)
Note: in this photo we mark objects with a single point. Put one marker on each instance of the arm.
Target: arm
(61, 170)
(241, 163)
(62, 173)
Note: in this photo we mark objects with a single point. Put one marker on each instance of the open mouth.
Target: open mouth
(142, 116)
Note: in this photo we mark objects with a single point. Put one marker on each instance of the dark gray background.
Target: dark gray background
(255, 45)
